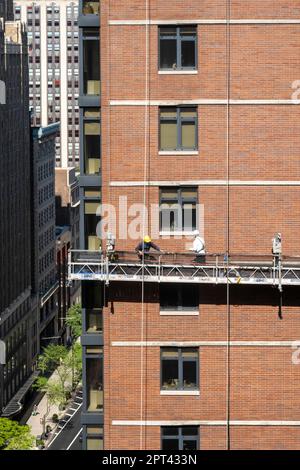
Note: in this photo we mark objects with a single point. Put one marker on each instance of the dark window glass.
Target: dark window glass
(179, 297)
(178, 48)
(92, 294)
(91, 63)
(179, 368)
(170, 444)
(189, 444)
(180, 438)
(168, 48)
(170, 431)
(178, 209)
(190, 431)
(169, 372)
(188, 49)
(91, 221)
(178, 128)
(92, 147)
(94, 384)
(189, 374)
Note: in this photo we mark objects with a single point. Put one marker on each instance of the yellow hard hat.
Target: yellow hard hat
(147, 239)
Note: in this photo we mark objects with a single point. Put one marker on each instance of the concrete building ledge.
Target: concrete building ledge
(182, 393)
(179, 313)
(178, 153)
(177, 72)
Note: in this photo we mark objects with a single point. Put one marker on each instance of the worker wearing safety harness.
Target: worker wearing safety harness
(145, 246)
(198, 247)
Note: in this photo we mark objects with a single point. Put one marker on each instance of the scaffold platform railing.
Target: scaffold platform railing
(184, 268)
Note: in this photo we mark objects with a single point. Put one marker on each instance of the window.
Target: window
(94, 382)
(178, 48)
(178, 209)
(94, 321)
(91, 141)
(180, 438)
(91, 63)
(92, 192)
(178, 128)
(92, 294)
(91, 221)
(94, 438)
(179, 297)
(179, 368)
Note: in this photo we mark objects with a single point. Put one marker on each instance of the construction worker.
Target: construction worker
(145, 246)
(198, 247)
(110, 248)
(277, 245)
(277, 249)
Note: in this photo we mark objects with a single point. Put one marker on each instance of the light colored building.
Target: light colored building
(53, 70)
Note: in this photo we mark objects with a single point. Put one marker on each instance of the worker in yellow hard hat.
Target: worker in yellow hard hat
(144, 246)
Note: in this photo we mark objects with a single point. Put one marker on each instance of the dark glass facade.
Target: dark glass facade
(17, 314)
(90, 195)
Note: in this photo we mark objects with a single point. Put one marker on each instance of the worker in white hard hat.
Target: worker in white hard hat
(277, 244)
(198, 247)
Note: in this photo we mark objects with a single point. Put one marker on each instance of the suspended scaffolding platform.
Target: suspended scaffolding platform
(184, 268)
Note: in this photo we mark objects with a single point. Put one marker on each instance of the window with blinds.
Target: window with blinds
(178, 128)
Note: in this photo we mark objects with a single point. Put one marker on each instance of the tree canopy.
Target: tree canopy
(13, 436)
(65, 365)
(74, 320)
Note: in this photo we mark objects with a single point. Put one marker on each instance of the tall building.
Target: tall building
(17, 305)
(90, 193)
(52, 33)
(199, 131)
(67, 209)
(67, 201)
(45, 281)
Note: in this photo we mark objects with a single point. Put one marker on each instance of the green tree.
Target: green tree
(55, 360)
(53, 355)
(76, 363)
(56, 391)
(74, 320)
(13, 436)
(66, 369)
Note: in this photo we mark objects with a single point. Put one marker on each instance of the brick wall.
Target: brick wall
(263, 147)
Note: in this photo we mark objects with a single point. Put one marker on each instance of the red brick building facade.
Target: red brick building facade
(246, 173)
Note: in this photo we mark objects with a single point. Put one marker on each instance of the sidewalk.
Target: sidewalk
(45, 410)
(36, 422)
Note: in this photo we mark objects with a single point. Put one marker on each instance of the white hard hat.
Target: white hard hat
(196, 233)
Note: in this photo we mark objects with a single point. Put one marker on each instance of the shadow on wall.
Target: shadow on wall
(211, 295)
(62, 216)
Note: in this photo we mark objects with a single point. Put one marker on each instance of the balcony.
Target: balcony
(183, 267)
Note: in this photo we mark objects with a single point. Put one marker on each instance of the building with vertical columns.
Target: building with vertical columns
(52, 34)
(67, 207)
(45, 282)
(90, 194)
(200, 127)
(18, 304)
